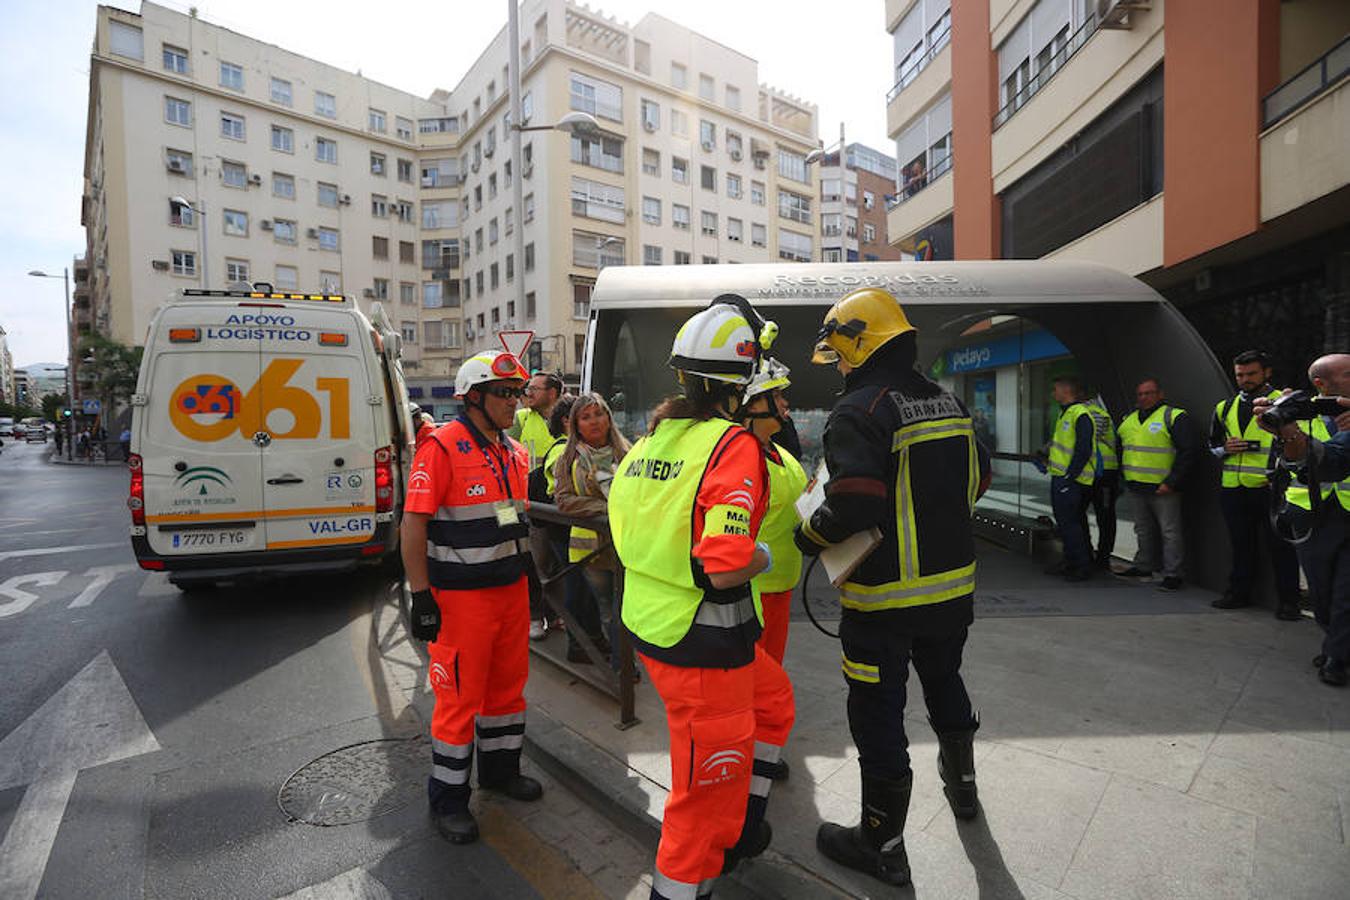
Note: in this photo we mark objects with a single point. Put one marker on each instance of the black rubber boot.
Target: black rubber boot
(458, 827)
(956, 765)
(876, 845)
(755, 835)
(517, 787)
(777, 771)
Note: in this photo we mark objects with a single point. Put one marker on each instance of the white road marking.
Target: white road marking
(46, 551)
(156, 584)
(103, 576)
(91, 720)
(21, 599)
(354, 884)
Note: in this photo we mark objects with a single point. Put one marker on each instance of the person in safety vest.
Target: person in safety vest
(1157, 449)
(1325, 555)
(466, 553)
(902, 457)
(685, 509)
(1106, 483)
(1071, 462)
(530, 427)
(1243, 448)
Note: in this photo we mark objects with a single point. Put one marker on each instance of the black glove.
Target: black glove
(804, 543)
(426, 616)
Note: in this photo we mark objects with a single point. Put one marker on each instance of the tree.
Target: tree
(110, 369)
(51, 407)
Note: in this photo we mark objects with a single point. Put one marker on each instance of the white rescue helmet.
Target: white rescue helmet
(723, 342)
(770, 376)
(490, 365)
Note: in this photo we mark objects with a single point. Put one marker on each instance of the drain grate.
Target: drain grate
(356, 783)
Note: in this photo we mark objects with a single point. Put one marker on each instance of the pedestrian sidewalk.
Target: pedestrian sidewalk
(1133, 744)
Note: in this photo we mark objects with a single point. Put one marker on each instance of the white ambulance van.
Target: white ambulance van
(270, 435)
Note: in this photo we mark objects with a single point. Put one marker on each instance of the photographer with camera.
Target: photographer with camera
(1313, 439)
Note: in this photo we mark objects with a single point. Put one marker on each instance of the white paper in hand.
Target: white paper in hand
(842, 558)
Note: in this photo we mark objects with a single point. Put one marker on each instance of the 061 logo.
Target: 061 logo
(209, 407)
(476, 490)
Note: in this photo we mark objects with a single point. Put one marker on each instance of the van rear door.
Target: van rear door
(203, 490)
(318, 462)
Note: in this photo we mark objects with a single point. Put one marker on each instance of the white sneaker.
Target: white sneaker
(537, 630)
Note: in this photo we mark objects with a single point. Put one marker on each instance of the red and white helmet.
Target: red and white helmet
(490, 365)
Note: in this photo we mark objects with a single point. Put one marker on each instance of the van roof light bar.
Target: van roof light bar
(265, 295)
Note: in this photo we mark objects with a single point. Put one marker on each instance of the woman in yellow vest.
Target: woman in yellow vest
(594, 447)
(685, 509)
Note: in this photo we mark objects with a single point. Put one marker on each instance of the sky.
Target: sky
(836, 55)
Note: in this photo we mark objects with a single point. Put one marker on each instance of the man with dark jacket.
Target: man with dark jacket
(902, 457)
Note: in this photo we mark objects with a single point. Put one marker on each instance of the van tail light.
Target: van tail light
(136, 495)
(384, 479)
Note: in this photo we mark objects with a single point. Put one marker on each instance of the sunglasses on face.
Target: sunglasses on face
(503, 391)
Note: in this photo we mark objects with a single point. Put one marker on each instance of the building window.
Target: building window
(325, 105)
(707, 177)
(869, 199)
(184, 263)
(679, 76)
(531, 307)
(233, 174)
(232, 77)
(830, 224)
(651, 115)
(735, 230)
(735, 145)
(681, 257)
(477, 196)
(492, 186)
(236, 270)
(432, 295)
(378, 164)
(125, 40)
(707, 134)
(708, 224)
(869, 233)
(651, 255)
(379, 247)
(794, 246)
(757, 193)
(442, 172)
(706, 87)
(379, 206)
(325, 150)
(407, 293)
(182, 215)
(380, 288)
(494, 276)
(283, 231)
(281, 91)
(375, 121)
(328, 195)
(733, 95)
(403, 128)
(440, 214)
(179, 162)
(406, 250)
(794, 206)
(509, 221)
(581, 306)
(493, 232)
(178, 112)
(330, 282)
(529, 257)
(529, 208)
(440, 254)
(594, 200)
(679, 216)
(679, 123)
(599, 98)
(287, 278)
(283, 185)
(232, 126)
(405, 170)
(651, 210)
(598, 151)
(651, 162)
(595, 251)
(759, 235)
(329, 239)
(791, 165)
(733, 186)
(409, 330)
(478, 282)
(511, 271)
(709, 261)
(642, 57)
(175, 60)
(236, 223)
(405, 211)
(679, 170)
(283, 139)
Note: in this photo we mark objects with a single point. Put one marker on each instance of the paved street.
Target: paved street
(145, 735)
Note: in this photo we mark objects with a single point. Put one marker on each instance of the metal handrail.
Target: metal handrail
(917, 185)
(619, 685)
(912, 71)
(1057, 62)
(1295, 92)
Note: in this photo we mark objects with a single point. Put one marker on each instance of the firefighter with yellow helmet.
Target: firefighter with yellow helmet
(902, 457)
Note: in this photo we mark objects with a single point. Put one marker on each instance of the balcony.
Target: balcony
(924, 86)
(1303, 149)
(922, 201)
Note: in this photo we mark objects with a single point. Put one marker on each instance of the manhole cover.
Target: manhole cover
(356, 783)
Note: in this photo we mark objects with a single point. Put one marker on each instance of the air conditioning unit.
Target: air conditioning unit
(312, 233)
(709, 146)
(265, 224)
(159, 265)
(648, 126)
(176, 166)
(255, 180)
(1116, 13)
(736, 155)
(346, 200)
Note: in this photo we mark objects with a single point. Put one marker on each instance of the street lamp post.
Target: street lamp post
(573, 123)
(199, 211)
(70, 390)
(818, 156)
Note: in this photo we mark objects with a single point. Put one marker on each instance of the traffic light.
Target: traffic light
(65, 413)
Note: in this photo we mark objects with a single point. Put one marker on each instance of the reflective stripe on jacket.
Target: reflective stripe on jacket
(1104, 433)
(1248, 468)
(1148, 449)
(1062, 442)
(1297, 493)
(787, 480)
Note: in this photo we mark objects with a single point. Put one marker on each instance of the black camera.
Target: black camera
(1299, 406)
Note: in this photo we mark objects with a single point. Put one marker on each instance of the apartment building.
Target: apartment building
(214, 158)
(6, 369)
(1198, 144)
(853, 205)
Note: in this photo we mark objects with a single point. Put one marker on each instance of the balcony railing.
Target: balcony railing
(1303, 87)
(919, 63)
(919, 182)
(1049, 70)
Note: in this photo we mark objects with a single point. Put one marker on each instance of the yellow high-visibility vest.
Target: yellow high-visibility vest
(1148, 449)
(1297, 494)
(1062, 441)
(1248, 468)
